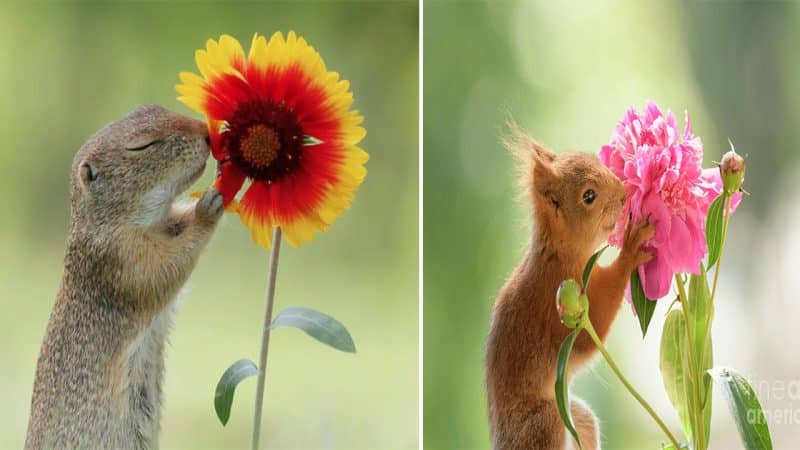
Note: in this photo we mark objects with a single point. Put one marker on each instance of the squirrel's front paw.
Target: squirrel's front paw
(635, 235)
(209, 208)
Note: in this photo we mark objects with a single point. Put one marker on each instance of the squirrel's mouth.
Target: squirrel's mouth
(611, 213)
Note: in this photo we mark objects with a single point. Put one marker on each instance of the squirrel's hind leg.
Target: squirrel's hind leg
(531, 426)
(539, 427)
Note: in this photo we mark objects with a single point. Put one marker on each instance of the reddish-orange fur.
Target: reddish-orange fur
(526, 332)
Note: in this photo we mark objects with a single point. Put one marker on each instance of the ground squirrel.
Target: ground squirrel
(576, 202)
(129, 251)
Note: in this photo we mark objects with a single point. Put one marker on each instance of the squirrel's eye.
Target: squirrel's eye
(137, 146)
(589, 196)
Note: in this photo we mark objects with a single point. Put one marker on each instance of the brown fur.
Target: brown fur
(129, 251)
(526, 333)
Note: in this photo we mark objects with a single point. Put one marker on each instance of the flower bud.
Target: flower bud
(570, 303)
(732, 171)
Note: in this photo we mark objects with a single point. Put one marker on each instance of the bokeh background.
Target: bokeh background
(68, 69)
(567, 71)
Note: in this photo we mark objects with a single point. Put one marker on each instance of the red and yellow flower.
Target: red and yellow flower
(280, 120)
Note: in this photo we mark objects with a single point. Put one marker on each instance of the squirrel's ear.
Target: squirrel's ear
(544, 174)
(525, 148)
(540, 153)
(545, 180)
(539, 177)
(88, 174)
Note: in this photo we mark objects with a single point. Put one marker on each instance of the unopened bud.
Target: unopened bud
(570, 303)
(732, 171)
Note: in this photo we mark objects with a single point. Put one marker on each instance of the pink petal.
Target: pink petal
(684, 252)
(656, 277)
(652, 111)
(711, 183)
(687, 131)
(695, 224)
(660, 215)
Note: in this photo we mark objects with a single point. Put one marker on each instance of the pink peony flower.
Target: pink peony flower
(661, 170)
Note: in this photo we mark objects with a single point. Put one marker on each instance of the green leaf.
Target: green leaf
(744, 407)
(562, 384)
(674, 367)
(223, 398)
(587, 271)
(321, 327)
(714, 230)
(643, 306)
(699, 303)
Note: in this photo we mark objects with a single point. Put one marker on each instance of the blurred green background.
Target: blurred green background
(68, 69)
(567, 71)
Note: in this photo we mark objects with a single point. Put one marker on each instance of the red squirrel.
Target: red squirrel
(576, 202)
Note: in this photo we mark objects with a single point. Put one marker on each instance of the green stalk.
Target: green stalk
(725, 219)
(262, 364)
(587, 325)
(697, 414)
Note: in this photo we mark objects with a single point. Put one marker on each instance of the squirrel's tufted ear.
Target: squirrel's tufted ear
(545, 180)
(525, 148)
(541, 154)
(539, 177)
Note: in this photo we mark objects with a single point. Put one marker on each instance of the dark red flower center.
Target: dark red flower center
(264, 140)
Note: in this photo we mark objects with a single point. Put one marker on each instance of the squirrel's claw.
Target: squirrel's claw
(209, 207)
(636, 235)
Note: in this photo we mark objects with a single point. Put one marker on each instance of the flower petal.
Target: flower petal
(229, 182)
(231, 52)
(254, 213)
(257, 58)
(712, 186)
(656, 277)
(218, 149)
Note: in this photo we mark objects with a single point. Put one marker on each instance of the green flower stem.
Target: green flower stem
(590, 330)
(697, 414)
(262, 364)
(700, 405)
